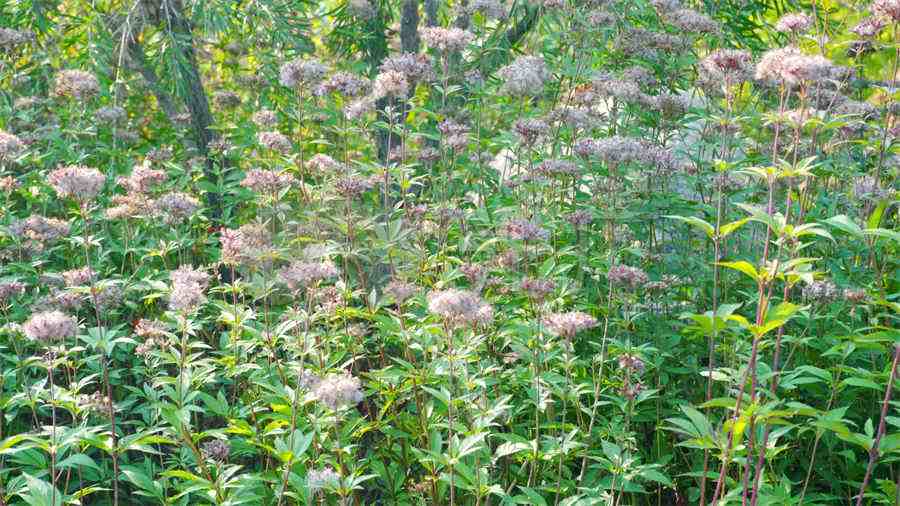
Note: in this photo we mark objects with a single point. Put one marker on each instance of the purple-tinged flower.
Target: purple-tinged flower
(50, 326)
(569, 324)
(77, 181)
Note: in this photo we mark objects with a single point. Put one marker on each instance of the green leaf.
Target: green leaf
(728, 228)
(742, 266)
(697, 222)
(654, 475)
(844, 223)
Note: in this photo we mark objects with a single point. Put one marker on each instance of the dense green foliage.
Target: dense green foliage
(421, 252)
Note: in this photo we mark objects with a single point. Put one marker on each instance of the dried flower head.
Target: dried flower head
(11, 39)
(323, 164)
(216, 449)
(538, 289)
(475, 273)
(525, 230)
(400, 291)
(345, 84)
(50, 326)
(359, 108)
(390, 84)
(142, 178)
(76, 84)
(631, 362)
(490, 9)
(265, 118)
(460, 307)
(794, 22)
(569, 324)
(319, 479)
(10, 146)
(77, 181)
(580, 218)
(727, 66)
(301, 73)
(226, 99)
(177, 206)
(188, 285)
(267, 181)
(446, 40)
(855, 296)
(247, 245)
(525, 76)
(362, 9)
(414, 67)
(352, 186)
(822, 292)
(9, 184)
(300, 275)
(889, 9)
(150, 329)
(625, 275)
(692, 21)
(40, 228)
(531, 129)
(337, 391)
(79, 277)
(10, 290)
(110, 114)
(275, 141)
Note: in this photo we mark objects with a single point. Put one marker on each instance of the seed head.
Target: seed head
(300, 275)
(446, 40)
(889, 9)
(318, 479)
(110, 114)
(345, 84)
(76, 84)
(177, 206)
(337, 391)
(390, 83)
(299, 73)
(822, 292)
(216, 450)
(538, 289)
(525, 76)
(77, 181)
(569, 324)
(10, 146)
(794, 23)
(400, 290)
(142, 178)
(247, 245)
(625, 275)
(188, 285)
(50, 326)
(275, 141)
(10, 290)
(267, 181)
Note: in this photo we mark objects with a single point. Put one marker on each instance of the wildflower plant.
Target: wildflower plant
(401, 252)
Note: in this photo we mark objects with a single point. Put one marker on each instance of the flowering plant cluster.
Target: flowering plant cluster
(418, 253)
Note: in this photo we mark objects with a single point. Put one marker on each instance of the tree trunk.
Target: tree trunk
(195, 96)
